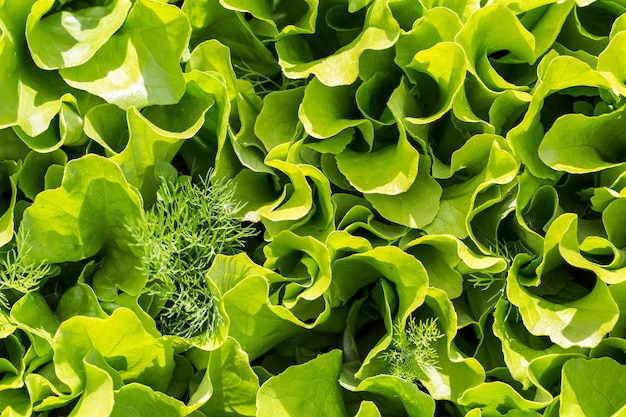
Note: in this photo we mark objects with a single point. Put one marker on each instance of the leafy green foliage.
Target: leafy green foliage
(438, 205)
(318, 378)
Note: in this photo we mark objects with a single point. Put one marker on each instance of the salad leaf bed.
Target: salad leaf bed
(312, 208)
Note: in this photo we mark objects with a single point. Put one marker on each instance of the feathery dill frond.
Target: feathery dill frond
(16, 273)
(412, 351)
(188, 226)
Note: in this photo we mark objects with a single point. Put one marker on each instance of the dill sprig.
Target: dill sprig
(485, 280)
(16, 273)
(188, 226)
(412, 352)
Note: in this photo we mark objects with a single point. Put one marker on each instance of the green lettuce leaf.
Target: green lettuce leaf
(357, 216)
(479, 38)
(580, 144)
(496, 398)
(32, 314)
(555, 74)
(305, 206)
(299, 390)
(493, 169)
(575, 36)
(65, 130)
(97, 396)
(284, 18)
(543, 19)
(380, 31)
(211, 20)
(417, 206)
(385, 262)
(453, 373)
(7, 219)
(305, 261)
(92, 210)
(15, 403)
(139, 65)
(595, 253)
(612, 62)
(372, 97)
(392, 168)
(278, 121)
(212, 56)
(115, 339)
(593, 388)
(368, 409)
(79, 300)
(327, 111)
(523, 352)
(142, 401)
(447, 260)
(157, 133)
(558, 305)
(67, 38)
(12, 364)
(396, 394)
(36, 164)
(245, 287)
(31, 97)
(232, 385)
(420, 54)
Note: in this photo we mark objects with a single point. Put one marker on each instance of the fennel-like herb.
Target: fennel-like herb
(17, 275)
(412, 350)
(188, 226)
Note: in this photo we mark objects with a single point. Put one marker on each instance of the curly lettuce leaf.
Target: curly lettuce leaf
(157, 132)
(140, 64)
(453, 374)
(299, 389)
(569, 320)
(523, 352)
(499, 397)
(593, 388)
(262, 323)
(31, 98)
(231, 384)
(580, 144)
(68, 38)
(284, 18)
(115, 339)
(479, 38)
(305, 206)
(92, 210)
(556, 73)
(65, 130)
(142, 401)
(7, 219)
(493, 169)
(211, 20)
(417, 206)
(380, 31)
(394, 393)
